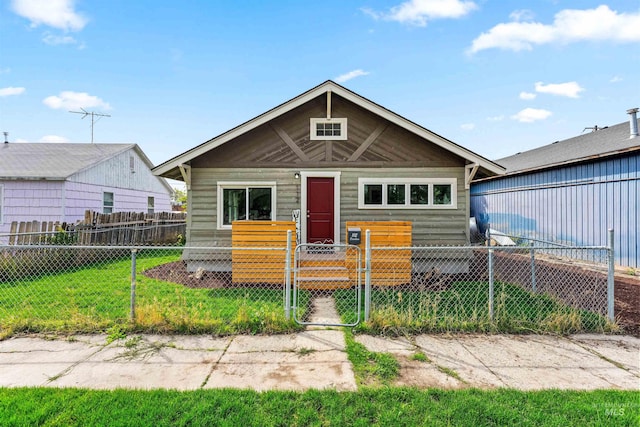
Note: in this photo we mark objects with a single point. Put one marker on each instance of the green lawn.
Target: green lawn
(464, 306)
(97, 298)
(368, 407)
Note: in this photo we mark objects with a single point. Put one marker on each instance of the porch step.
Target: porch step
(323, 271)
(324, 282)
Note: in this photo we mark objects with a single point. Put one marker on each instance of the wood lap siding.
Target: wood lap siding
(430, 227)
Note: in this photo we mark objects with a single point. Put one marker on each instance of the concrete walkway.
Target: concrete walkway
(317, 359)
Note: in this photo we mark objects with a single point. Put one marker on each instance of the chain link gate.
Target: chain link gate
(328, 277)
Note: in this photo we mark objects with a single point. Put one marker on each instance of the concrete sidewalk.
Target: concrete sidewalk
(317, 359)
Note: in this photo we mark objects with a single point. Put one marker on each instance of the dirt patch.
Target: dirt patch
(176, 272)
(627, 303)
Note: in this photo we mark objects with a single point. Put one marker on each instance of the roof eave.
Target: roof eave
(169, 167)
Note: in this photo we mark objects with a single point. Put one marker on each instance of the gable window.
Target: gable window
(151, 201)
(107, 202)
(328, 129)
(407, 193)
(238, 201)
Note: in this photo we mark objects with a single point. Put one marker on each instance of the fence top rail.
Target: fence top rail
(476, 247)
(143, 247)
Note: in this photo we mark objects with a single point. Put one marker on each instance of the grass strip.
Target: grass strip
(371, 369)
(96, 298)
(368, 407)
(464, 307)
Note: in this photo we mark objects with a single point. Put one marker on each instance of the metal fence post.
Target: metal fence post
(611, 279)
(287, 279)
(132, 312)
(490, 283)
(533, 267)
(367, 275)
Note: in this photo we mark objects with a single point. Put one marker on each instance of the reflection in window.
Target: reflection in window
(237, 202)
(373, 194)
(419, 194)
(442, 194)
(107, 202)
(395, 194)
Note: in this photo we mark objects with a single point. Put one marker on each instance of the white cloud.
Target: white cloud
(69, 100)
(53, 138)
(527, 96)
(569, 25)
(53, 40)
(495, 118)
(419, 12)
(569, 89)
(8, 91)
(350, 75)
(58, 14)
(615, 79)
(20, 140)
(468, 126)
(5, 70)
(521, 15)
(529, 115)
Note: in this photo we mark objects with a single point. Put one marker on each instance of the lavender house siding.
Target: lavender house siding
(41, 200)
(59, 182)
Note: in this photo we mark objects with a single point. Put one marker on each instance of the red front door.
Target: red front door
(320, 210)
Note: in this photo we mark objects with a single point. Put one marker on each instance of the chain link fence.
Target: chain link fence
(191, 289)
(490, 289)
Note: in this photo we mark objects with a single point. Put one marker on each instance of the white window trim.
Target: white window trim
(243, 184)
(336, 202)
(343, 129)
(113, 201)
(408, 181)
(151, 207)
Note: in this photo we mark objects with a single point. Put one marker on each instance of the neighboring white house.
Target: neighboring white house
(59, 182)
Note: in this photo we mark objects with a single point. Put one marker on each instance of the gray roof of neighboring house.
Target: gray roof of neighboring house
(606, 141)
(55, 161)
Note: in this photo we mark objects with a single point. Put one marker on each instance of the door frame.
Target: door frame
(336, 202)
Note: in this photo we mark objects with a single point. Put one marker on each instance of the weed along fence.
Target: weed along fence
(118, 228)
(257, 288)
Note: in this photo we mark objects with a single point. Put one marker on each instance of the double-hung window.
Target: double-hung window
(238, 201)
(151, 205)
(107, 202)
(407, 193)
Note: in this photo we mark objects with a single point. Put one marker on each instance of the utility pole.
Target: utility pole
(93, 115)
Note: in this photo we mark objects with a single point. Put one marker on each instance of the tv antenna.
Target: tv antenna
(93, 115)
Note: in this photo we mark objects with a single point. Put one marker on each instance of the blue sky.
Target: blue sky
(496, 76)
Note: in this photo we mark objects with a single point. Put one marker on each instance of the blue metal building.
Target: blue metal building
(570, 192)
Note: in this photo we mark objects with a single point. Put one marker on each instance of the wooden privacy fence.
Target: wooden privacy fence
(258, 250)
(119, 228)
(388, 268)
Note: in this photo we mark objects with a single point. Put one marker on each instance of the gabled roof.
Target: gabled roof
(55, 161)
(604, 142)
(170, 167)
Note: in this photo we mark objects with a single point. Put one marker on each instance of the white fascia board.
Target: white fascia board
(242, 129)
(420, 131)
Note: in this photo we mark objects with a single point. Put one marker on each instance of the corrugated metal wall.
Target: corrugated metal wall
(576, 204)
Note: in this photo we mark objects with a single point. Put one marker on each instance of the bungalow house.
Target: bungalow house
(326, 157)
(59, 182)
(570, 191)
